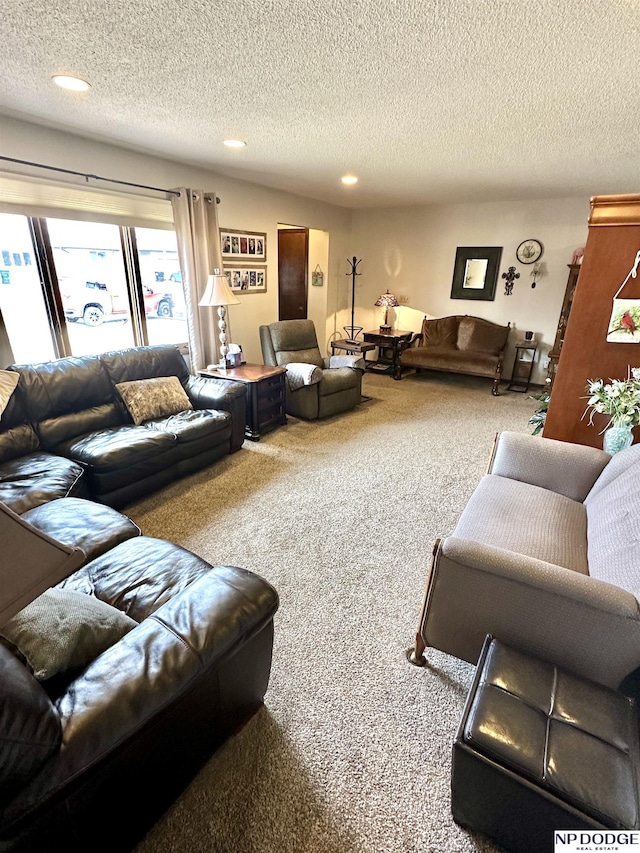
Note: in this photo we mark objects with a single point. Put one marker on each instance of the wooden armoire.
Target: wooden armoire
(556, 349)
(610, 251)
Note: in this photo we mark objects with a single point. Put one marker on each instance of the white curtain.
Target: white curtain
(196, 222)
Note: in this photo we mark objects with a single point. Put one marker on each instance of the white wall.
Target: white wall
(243, 206)
(319, 309)
(411, 251)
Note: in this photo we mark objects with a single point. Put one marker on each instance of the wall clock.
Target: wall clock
(529, 251)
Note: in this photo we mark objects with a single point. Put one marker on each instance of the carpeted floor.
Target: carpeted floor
(351, 752)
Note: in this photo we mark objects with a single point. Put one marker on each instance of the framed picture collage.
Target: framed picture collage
(244, 255)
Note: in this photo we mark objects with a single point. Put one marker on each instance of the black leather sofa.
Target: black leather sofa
(29, 476)
(66, 430)
(90, 759)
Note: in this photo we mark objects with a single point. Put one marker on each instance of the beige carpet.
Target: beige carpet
(351, 753)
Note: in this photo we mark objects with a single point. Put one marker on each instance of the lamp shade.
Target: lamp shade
(388, 300)
(218, 291)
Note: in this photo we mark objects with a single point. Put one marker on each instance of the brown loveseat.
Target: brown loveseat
(459, 344)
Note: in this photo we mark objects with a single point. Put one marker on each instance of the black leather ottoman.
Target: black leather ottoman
(540, 749)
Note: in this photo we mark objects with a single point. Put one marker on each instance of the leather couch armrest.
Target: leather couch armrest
(219, 610)
(567, 469)
(211, 393)
(152, 667)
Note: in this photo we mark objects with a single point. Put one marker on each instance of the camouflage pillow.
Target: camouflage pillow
(147, 399)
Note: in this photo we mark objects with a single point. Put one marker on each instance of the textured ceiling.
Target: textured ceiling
(424, 100)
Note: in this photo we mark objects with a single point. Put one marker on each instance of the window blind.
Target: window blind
(65, 200)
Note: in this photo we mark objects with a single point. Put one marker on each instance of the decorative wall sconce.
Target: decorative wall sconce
(537, 271)
(510, 276)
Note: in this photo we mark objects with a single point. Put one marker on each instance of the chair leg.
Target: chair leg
(415, 655)
(496, 380)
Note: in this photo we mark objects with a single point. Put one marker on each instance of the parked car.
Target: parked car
(162, 302)
(91, 301)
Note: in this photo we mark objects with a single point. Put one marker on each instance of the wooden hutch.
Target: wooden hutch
(612, 244)
(554, 354)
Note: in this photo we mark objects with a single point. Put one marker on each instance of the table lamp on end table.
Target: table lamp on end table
(219, 294)
(389, 301)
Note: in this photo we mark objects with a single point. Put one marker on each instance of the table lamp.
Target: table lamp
(219, 294)
(389, 301)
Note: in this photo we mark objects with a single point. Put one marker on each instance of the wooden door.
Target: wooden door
(293, 245)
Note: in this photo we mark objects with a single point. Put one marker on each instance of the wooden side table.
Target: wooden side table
(357, 348)
(390, 345)
(522, 366)
(265, 395)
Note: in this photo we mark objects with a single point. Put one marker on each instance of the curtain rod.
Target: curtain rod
(86, 176)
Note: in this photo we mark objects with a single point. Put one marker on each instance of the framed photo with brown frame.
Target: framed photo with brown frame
(475, 273)
(246, 279)
(243, 245)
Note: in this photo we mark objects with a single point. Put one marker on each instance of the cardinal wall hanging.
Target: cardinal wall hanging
(624, 326)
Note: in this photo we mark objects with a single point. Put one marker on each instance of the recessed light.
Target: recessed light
(234, 143)
(75, 84)
(349, 179)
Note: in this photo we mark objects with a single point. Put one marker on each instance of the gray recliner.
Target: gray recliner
(310, 394)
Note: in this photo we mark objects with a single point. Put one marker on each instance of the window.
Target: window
(91, 276)
(164, 304)
(71, 287)
(22, 301)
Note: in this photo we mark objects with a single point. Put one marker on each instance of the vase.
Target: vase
(617, 438)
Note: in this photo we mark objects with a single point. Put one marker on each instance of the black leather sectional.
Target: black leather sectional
(90, 759)
(92, 755)
(66, 431)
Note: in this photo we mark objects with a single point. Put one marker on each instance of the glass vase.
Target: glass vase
(617, 438)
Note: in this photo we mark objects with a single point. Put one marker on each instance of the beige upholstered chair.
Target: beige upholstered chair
(546, 558)
(316, 387)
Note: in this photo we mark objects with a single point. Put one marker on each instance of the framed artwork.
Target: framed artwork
(246, 279)
(475, 272)
(243, 245)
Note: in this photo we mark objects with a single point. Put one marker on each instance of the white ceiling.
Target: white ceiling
(424, 100)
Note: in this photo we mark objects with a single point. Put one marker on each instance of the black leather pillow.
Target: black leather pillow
(30, 729)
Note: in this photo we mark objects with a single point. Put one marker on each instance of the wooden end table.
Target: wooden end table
(265, 395)
(390, 345)
(523, 366)
(352, 347)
